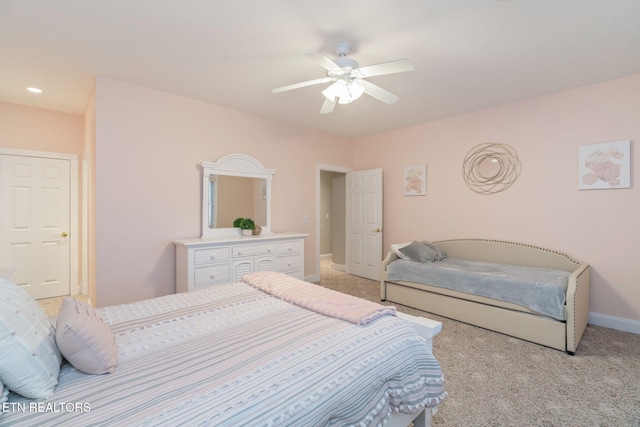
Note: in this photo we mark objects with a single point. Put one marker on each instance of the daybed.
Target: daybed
(231, 355)
(562, 333)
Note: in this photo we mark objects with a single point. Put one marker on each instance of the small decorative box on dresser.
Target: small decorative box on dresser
(210, 261)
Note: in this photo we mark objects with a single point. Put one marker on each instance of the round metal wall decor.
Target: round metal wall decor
(491, 168)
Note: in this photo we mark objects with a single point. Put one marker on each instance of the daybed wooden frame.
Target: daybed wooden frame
(507, 318)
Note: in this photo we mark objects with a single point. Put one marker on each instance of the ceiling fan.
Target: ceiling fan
(349, 78)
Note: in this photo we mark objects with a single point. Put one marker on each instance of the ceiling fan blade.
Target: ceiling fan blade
(327, 106)
(378, 93)
(302, 84)
(391, 67)
(324, 61)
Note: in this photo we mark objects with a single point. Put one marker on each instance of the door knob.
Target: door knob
(378, 230)
(64, 234)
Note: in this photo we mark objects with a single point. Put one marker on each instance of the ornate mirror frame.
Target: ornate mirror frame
(241, 165)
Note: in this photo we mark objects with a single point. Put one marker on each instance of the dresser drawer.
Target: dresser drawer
(205, 256)
(293, 246)
(212, 275)
(203, 262)
(253, 250)
(287, 263)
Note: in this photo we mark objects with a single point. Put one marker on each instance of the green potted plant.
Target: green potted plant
(246, 225)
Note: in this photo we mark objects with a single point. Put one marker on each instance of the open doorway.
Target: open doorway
(332, 220)
(331, 217)
(355, 197)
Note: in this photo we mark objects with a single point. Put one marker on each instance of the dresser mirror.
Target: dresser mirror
(237, 185)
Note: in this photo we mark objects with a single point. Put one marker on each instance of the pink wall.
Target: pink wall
(35, 129)
(544, 206)
(149, 145)
(40, 130)
(146, 147)
(89, 200)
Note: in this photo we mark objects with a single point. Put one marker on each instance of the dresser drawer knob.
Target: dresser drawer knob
(213, 257)
(213, 276)
(289, 248)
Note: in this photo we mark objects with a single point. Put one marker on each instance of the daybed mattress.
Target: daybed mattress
(231, 355)
(541, 290)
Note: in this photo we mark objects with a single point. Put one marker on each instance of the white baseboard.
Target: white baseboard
(613, 322)
(340, 267)
(312, 278)
(325, 256)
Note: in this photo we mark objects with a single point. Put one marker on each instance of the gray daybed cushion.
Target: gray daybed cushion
(542, 290)
(439, 252)
(419, 252)
(396, 250)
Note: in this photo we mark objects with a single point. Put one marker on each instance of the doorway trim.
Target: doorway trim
(74, 286)
(319, 168)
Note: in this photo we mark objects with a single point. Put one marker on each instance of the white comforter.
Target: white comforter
(232, 355)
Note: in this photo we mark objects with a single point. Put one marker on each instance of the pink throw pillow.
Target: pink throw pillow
(84, 339)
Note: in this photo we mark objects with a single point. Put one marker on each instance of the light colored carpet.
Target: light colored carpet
(495, 380)
(51, 306)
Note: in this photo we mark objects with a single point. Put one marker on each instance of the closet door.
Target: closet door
(35, 223)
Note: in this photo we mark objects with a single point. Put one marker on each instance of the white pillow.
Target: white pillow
(4, 396)
(84, 339)
(29, 360)
(396, 250)
(4, 393)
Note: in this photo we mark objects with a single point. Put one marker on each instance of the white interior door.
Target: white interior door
(364, 223)
(35, 223)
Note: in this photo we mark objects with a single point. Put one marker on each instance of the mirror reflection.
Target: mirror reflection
(235, 186)
(231, 197)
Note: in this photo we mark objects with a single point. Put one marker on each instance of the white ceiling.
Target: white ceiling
(469, 54)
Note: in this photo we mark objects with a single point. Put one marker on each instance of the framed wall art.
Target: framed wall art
(491, 167)
(415, 180)
(604, 165)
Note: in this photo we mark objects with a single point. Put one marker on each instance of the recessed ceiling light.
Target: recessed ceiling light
(34, 90)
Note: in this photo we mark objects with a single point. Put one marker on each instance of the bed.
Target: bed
(240, 355)
(548, 304)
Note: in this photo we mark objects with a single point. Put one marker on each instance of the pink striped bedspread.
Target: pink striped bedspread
(316, 298)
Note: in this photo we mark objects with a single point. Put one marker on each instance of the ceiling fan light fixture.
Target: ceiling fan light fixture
(346, 63)
(354, 90)
(349, 81)
(345, 92)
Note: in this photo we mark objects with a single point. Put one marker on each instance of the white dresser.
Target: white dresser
(209, 261)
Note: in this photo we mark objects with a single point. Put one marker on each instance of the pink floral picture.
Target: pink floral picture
(415, 180)
(605, 165)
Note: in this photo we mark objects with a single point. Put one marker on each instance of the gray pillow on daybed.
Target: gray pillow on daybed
(441, 254)
(419, 252)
